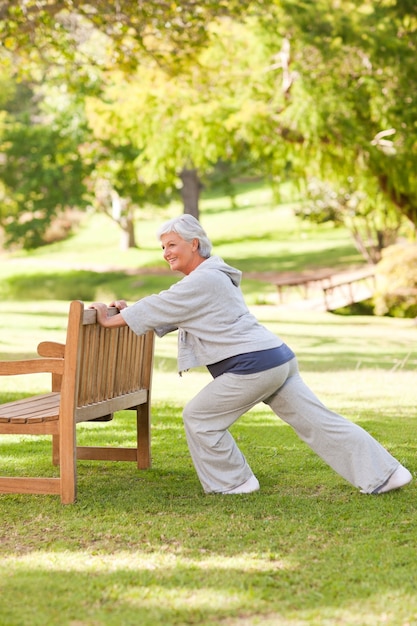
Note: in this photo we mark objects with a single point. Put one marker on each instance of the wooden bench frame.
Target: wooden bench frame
(97, 372)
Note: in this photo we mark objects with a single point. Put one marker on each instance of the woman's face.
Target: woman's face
(182, 256)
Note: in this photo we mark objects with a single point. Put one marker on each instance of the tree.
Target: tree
(115, 186)
(74, 42)
(41, 170)
(165, 36)
(182, 126)
(55, 31)
(374, 225)
(300, 89)
(351, 109)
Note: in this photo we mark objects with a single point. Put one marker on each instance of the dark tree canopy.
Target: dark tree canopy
(168, 31)
(317, 89)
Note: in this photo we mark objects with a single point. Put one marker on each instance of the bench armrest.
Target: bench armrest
(32, 366)
(51, 349)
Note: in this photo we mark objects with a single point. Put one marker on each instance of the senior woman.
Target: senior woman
(249, 364)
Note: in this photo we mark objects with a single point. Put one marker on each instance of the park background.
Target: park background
(289, 129)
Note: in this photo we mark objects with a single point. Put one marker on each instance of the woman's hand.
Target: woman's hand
(119, 304)
(101, 309)
(115, 321)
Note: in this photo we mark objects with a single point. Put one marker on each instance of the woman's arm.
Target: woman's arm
(115, 321)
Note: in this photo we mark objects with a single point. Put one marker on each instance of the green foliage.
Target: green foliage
(278, 101)
(43, 176)
(215, 111)
(353, 68)
(323, 204)
(65, 32)
(115, 184)
(41, 170)
(294, 89)
(397, 282)
(374, 223)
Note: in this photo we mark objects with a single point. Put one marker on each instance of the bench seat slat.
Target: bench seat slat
(31, 410)
(112, 405)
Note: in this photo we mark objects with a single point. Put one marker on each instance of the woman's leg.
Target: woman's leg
(345, 446)
(219, 463)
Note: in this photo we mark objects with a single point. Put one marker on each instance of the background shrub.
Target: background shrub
(396, 293)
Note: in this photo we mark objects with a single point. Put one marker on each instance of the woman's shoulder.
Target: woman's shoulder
(215, 264)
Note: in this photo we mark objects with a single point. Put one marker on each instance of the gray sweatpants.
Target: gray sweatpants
(221, 466)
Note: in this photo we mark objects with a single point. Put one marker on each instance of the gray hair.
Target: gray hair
(187, 227)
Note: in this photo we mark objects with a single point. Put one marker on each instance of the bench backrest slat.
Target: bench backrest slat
(110, 361)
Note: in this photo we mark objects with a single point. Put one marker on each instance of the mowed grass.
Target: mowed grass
(148, 547)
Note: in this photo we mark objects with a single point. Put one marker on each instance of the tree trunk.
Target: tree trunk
(190, 191)
(127, 238)
(123, 215)
(405, 203)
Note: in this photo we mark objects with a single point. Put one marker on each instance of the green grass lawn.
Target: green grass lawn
(147, 548)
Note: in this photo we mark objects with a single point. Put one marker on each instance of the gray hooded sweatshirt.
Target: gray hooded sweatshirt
(208, 310)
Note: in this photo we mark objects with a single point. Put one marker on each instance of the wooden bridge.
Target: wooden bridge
(325, 289)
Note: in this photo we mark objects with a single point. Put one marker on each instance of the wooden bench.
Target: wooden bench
(96, 373)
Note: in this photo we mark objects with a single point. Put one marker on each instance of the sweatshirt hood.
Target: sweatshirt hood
(217, 263)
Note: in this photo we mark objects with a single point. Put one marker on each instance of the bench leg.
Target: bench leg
(143, 425)
(68, 462)
(55, 450)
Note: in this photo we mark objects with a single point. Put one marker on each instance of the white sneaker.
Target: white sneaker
(252, 484)
(398, 479)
